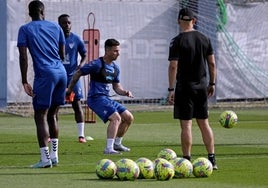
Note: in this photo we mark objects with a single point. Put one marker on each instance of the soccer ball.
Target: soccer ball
(105, 169)
(183, 168)
(228, 119)
(167, 154)
(127, 169)
(163, 169)
(146, 168)
(202, 167)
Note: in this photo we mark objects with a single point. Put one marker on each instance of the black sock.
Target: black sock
(187, 157)
(211, 158)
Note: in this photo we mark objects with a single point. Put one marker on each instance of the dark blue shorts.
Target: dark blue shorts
(103, 106)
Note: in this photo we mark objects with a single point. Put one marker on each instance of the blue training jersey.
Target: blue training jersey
(42, 38)
(73, 46)
(96, 67)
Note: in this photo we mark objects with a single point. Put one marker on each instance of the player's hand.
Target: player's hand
(171, 97)
(28, 89)
(211, 90)
(129, 94)
(69, 96)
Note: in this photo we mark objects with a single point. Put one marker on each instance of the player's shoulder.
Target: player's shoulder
(96, 62)
(74, 36)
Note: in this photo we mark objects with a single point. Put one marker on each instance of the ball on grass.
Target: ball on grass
(202, 167)
(105, 169)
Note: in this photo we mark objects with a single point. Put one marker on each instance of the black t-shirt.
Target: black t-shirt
(191, 49)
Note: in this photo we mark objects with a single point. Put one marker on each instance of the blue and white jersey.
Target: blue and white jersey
(42, 38)
(73, 46)
(101, 75)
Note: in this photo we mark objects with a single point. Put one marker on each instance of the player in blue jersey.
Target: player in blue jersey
(46, 43)
(74, 46)
(190, 55)
(104, 71)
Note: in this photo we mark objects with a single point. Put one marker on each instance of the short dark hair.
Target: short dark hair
(110, 43)
(62, 16)
(35, 8)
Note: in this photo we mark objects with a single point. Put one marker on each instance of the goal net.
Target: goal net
(237, 29)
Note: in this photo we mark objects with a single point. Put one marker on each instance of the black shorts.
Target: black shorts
(191, 103)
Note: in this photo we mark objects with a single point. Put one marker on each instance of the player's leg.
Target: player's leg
(207, 134)
(78, 112)
(186, 138)
(126, 120)
(208, 139)
(79, 119)
(52, 118)
(183, 110)
(104, 108)
(41, 102)
(59, 81)
(42, 136)
(114, 122)
(201, 115)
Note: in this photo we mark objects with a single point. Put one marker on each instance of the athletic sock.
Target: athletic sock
(45, 157)
(80, 129)
(54, 148)
(211, 158)
(110, 144)
(118, 140)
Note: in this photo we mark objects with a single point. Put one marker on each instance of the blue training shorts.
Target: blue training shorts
(103, 106)
(49, 89)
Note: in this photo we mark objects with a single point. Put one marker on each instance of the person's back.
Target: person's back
(43, 39)
(192, 48)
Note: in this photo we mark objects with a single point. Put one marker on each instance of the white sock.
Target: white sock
(45, 157)
(54, 144)
(118, 140)
(80, 129)
(110, 143)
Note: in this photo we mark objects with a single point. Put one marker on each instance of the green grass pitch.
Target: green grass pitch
(242, 152)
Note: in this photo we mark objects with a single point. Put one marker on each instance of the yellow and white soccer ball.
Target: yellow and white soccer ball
(127, 169)
(167, 154)
(105, 169)
(163, 169)
(146, 168)
(228, 119)
(183, 168)
(202, 167)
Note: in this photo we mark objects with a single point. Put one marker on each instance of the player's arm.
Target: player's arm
(23, 58)
(62, 51)
(117, 87)
(83, 60)
(172, 72)
(73, 81)
(212, 74)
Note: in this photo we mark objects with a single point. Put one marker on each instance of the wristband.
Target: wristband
(212, 83)
(170, 89)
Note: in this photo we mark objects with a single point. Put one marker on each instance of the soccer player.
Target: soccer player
(45, 42)
(104, 71)
(74, 46)
(190, 53)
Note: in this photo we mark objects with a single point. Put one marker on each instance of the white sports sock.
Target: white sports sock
(80, 129)
(45, 157)
(118, 140)
(54, 143)
(110, 143)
